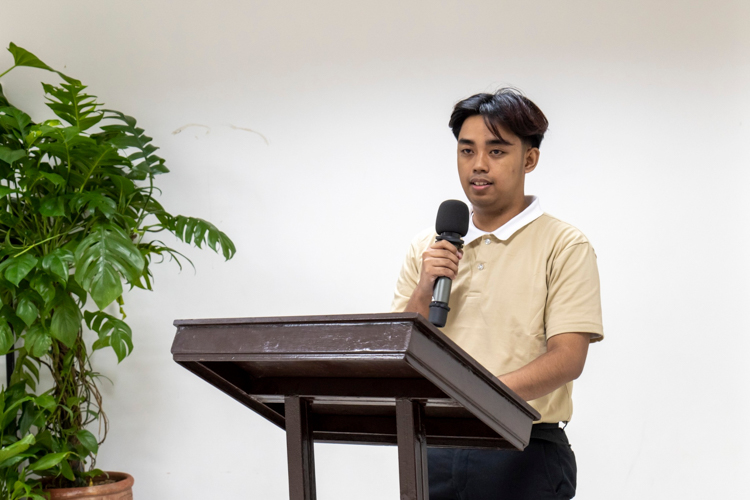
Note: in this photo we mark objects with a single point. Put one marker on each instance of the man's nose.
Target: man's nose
(480, 163)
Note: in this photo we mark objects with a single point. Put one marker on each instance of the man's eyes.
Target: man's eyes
(493, 152)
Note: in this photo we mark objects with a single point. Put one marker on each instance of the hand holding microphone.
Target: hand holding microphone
(440, 261)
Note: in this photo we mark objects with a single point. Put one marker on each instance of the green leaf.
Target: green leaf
(122, 343)
(14, 122)
(30, 366)
(28, 415)
(88, 440)
(57, 264)
(15, 119)
(44, 439)
(12, 462)
(16, 448)
(102, 258)
(48, 461)
(131, 136)
(7, 339)
(37, 340)
(124, 185)
(55, 179)
(26, 309)
(46, 401)
(101, 343)
(67, 471)
(11, 155)
(76, 289)
(105, 286)
(70, 103)
(23, 57)
(198, 231)
(3, 99)
(10, 413)
(53, 207)
(112, 332)
(9, 315)
(19, 267)
(95, 200)
(93, 473)
(66, 321)
(44, 286)
(5, 191)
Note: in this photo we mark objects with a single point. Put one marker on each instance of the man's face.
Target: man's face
(492, 170)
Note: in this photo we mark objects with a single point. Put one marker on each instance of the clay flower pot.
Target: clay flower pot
(120, 490)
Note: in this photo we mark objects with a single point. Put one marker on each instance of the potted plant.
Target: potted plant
(77, 211)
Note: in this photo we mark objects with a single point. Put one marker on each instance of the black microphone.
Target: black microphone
(452, 223)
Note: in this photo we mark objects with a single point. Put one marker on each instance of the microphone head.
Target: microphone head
(452, 217)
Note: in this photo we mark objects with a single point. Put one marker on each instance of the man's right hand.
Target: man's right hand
(441, 259)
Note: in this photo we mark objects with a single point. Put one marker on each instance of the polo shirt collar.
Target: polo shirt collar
(529, 215)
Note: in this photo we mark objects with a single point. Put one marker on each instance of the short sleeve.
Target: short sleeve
(573, 296)
(407, 278)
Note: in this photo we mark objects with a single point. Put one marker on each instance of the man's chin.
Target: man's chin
(485, 202)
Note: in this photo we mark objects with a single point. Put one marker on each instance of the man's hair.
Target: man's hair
(508, 108)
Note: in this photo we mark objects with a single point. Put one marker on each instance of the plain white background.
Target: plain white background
(646, 153)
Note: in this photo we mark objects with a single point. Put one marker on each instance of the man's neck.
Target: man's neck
(490, 221)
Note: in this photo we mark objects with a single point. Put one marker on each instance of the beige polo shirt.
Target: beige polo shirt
(531, 279)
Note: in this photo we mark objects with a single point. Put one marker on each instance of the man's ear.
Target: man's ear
(531, 158)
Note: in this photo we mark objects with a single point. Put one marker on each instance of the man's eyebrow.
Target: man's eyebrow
(499, 141)
(491, 142)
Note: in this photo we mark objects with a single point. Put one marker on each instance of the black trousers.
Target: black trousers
(546, 469)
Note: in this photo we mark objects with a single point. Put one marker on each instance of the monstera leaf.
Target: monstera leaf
(112, 332)
(102, 259)
(199, 232)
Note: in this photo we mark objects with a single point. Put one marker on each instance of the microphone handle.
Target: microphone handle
(442, 290)
(439, 306)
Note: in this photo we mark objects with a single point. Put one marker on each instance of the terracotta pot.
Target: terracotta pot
(121, 490)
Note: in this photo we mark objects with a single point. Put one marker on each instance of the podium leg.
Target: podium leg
(299, 449)
(412, 450)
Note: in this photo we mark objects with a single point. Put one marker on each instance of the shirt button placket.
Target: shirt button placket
(487, 241)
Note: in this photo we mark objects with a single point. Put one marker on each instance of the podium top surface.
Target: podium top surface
(353, 368)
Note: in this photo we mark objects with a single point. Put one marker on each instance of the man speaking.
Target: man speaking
(524, 301)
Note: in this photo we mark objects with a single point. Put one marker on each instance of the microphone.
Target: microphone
(452, 223)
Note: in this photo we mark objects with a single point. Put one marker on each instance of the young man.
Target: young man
(524, 302)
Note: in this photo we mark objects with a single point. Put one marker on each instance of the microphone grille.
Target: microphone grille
(452, 217)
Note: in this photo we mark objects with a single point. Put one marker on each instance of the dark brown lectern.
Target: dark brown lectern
(365, 379)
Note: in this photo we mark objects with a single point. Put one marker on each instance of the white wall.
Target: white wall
(647, 153)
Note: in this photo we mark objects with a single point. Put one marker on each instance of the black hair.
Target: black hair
(508, 108)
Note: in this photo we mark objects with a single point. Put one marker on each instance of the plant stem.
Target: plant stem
(35, 244)
(8, 71)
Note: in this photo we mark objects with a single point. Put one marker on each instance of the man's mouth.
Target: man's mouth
(480, 182)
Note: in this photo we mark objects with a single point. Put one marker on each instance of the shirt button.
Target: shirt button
(480, 266)
(487, 241)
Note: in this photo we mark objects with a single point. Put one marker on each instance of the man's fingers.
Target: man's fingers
(439, 253)
(439, 263)
(444, 245)
(441, 259)
(441, 267)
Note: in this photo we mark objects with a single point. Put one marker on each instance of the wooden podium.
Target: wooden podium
(363, 379)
